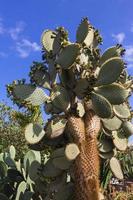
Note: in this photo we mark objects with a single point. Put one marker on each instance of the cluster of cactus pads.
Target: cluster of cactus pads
(71, 76)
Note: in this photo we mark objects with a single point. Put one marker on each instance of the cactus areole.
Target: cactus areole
(85, 92)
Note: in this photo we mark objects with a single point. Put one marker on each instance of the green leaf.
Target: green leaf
(101, 105)
(114, 93)
(68, 56)
(34, 133)
(110, 71)
(47, 40)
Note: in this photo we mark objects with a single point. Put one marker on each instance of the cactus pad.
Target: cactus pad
(116, 168)
(29, 94)
(122, 110)
(112, 124)
(101, 105)
(34, 133)
(113, 67)
(115, 93)
(85, 33)
(68, 56)
(119, 140)
(47, 40)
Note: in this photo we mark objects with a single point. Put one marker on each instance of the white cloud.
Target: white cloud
(129, 55)
(119, 37)
(25, 47)
(22, 46)
(15, 32)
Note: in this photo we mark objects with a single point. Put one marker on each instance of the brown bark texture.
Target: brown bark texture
(86, 166)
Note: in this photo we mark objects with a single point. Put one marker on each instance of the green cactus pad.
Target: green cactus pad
(107, 155)
(68, 56)
(85, 33)
(112, 124)
(40, 77)
(101, 105)
(12, 152)
(62, 163)
(34, 170)
(57, 44)
(116, 168)
(56, 127)
(60, 98)
(127, 126)
(34, 133)
(49, 169)
(65, 192)
(119, 140)
(47, 40)
(110, 71)
(105, 145)
(59, 152)
(115, 93)
(3, 197)
(28, 159)
(3, 170)
(81, 87)
(123, 77)
(20, 190)
(122, 110)
(28, 195)
(66, 75)
(29, 94)
(52, 70)
(9, 161)
(115, 51)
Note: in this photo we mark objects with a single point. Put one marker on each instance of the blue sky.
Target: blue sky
(22, 22)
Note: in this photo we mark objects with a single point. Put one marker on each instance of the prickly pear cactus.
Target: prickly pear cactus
(85, 93)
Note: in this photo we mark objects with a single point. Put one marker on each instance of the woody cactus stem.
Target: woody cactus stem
(86, 166)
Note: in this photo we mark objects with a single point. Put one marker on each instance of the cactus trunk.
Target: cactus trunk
(86, 166)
